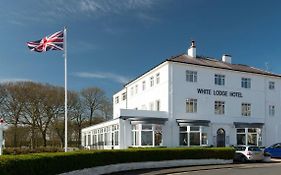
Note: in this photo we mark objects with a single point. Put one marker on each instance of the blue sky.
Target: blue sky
(113, 41)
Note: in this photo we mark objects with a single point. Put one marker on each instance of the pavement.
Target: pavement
(275, 160)
(193, 169)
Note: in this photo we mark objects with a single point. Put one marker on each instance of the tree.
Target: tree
(106, 109)
(3, 94)
(57, 126)
(52, 104)
(38, 110)
(93, 99)
(32, 108)
(77, 115)
(22, 136)
(12, 105)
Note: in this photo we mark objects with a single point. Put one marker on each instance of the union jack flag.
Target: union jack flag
(51, 42)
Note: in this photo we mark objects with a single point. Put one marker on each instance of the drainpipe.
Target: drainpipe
(127, 97)
(170, 99)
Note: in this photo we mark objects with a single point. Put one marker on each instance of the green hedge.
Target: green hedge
(15, 151)
(54, 163)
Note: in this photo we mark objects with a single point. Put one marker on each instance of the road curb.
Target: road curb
(146, 165)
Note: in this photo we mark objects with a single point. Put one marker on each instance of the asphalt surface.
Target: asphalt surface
(273, 168)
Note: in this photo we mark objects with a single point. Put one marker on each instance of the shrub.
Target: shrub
(54, 163)
(14, 151)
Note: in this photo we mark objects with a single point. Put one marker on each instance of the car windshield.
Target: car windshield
(240, 148)
(254, 149)
(278, 145)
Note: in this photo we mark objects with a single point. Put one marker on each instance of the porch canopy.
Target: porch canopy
(188, 122)
(144, 116)
(247, 125)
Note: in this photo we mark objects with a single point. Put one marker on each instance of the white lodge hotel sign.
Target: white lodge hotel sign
(219, 93)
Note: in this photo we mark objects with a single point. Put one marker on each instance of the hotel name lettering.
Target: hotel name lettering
(219, 93)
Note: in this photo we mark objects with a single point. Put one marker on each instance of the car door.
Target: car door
(278, 150)
(275, 150)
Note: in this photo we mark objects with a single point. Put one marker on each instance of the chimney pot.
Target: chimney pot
(192, 50)
(192, 43)
(226, 58)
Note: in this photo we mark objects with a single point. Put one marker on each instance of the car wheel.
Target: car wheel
(243, 159)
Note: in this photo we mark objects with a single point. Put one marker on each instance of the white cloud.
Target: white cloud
(146, 17)
(60, 9)
(113, 6)
(103, 75)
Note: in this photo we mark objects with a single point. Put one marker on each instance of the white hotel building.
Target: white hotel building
(189, 100)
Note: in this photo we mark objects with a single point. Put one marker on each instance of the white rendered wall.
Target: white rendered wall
(142, 99)
(273, 123)
(121, 105)
(258, 95)
(173, 90)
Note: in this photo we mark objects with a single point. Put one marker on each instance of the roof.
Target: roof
(214, 63)
(210, 62)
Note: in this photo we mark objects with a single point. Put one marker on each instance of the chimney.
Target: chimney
(192, 50)
(226, 58)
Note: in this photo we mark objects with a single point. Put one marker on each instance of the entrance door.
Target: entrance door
(220, 138)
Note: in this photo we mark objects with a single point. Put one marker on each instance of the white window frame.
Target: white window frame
(219, 107)
(246, 109)
(152, 81)
(85, 139)
(219, 79)
(201, 130)
(157, 105)
(247, 132)
(117, 100)
(271, 85)
(137, 130)
(115, 136)
(191, 76)
(89, 139)
(157, 78)
(143, 85)
(246, 83)
(124, 96)
(193, 103)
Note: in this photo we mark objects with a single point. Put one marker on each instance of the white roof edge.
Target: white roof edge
(141, 76)
(157, 67)
(100, 123)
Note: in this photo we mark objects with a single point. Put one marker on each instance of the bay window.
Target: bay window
(249, 136)
(147, 135)
(193, 136)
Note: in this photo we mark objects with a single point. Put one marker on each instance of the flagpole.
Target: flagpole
(65, 89)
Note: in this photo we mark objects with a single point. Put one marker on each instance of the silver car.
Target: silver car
(248, 153)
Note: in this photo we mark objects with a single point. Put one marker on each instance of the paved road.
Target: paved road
(230, 169)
